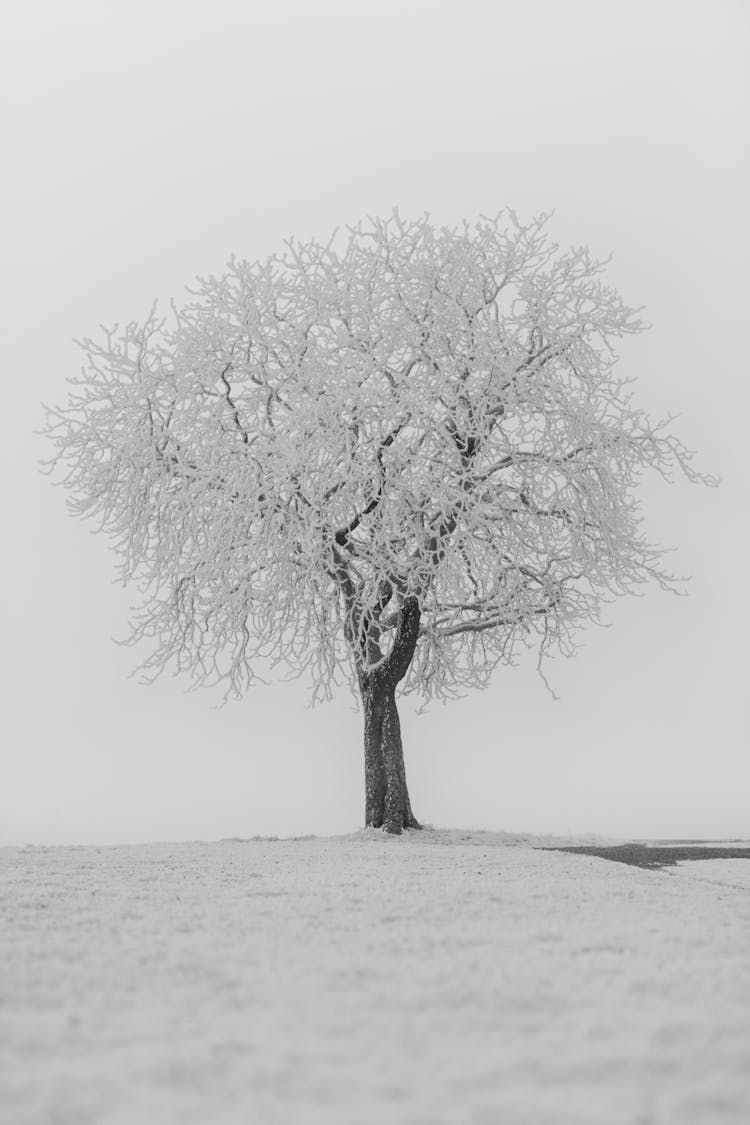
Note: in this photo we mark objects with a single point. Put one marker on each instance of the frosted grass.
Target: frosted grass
(440, 978)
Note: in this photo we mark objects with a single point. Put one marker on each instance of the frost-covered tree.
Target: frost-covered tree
(387, 460)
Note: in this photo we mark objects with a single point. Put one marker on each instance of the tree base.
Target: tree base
(394, 827)
(395, 830)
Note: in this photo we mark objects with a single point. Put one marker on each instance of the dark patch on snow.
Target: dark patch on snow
(655, 858)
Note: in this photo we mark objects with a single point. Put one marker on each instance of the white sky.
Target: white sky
(143, 144)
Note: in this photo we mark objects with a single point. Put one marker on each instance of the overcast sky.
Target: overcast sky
(143, 144)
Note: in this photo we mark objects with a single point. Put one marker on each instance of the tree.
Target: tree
(388, 460)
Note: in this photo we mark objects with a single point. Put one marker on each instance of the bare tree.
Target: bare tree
(386, 460)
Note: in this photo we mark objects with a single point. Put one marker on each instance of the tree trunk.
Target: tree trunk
(387, 802)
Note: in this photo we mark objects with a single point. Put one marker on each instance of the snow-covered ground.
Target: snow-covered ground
(439, 978)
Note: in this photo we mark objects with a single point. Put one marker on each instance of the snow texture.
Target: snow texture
(439, 978)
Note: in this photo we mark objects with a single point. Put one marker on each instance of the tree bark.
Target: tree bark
(387, 803)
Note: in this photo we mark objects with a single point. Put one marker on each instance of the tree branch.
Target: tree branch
(342, 535)
(232, 404)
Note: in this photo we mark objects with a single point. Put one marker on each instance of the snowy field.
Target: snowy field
(439, 978)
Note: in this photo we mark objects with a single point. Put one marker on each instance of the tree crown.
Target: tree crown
(403, 420)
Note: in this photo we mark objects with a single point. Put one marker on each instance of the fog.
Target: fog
(145, 143)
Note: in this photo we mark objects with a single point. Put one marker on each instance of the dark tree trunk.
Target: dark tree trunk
(373, 707)
(387, 803)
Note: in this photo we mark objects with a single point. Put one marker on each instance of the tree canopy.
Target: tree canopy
(403, 415)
